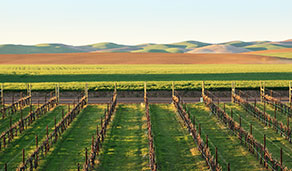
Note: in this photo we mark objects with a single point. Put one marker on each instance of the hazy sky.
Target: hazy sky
(143, 21)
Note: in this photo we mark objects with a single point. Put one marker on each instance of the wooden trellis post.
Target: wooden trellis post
(145, 91)
(232, 91)
(29, 92)
(203, 88)
(86, 92)
(290, 93)
(172, 87)
(115, 91)
(262, 90)
(2, 94)
(57, 92)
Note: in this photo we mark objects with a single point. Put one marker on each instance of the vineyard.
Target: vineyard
(132, 77)
(245, 133)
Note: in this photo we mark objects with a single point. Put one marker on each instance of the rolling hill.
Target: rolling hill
(219, 49)
(179, 47)
(40, 48)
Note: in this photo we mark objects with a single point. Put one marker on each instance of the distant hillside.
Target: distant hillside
(219, 49)
(242, 43)
(283, 53)
(179, 47)
(40, 48)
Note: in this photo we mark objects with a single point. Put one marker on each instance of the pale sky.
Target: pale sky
(80, 22)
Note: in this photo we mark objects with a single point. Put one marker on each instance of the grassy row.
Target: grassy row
(230, 149)
(12, 155)
(281, 117)
(70, 148)
(5, 123)
(174, 147)
(273, 140)
(125, 147)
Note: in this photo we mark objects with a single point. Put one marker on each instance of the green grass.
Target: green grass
(12, 155)
(230, 149)
(281, 117)
(126, 144)
(273, 140)
(174, 147)
(131, 77)
(5, 123)
(70, 148)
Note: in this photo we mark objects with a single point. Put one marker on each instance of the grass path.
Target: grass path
(274, 140)
(230, 150)
(282, 117)
(70, 149)
(5, 123)
(13, 153)
(126, 144)
(174, 147)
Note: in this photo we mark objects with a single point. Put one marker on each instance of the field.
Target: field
(138, 58)
(120, 136)
(132, 77)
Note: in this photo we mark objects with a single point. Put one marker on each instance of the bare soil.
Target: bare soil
(138, 58)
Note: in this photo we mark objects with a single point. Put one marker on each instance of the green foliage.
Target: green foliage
(132, 77)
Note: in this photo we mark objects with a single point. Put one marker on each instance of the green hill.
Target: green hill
(161, 48)
(40, 48)
(191, 44)
(178, 47)
(266, 46)
(105, 45)
(243, 44)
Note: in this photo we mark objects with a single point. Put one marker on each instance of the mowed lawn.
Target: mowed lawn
(126, 143)
(70, 148)
(175, 148)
